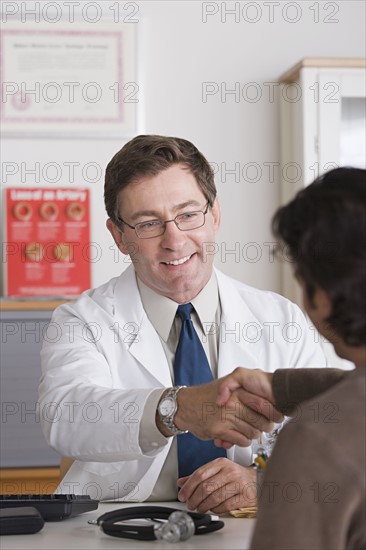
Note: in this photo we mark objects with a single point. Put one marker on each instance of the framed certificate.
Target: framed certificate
(78, 81)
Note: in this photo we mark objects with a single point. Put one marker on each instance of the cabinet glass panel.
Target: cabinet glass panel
(353, 132)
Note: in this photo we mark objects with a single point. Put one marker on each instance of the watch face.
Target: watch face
(167, 406)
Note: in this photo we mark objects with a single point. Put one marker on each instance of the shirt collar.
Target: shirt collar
(162, 310)
(206, 304)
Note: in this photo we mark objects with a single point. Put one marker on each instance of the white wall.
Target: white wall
(177, 53)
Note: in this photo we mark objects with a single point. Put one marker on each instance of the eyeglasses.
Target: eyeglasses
(155, 228)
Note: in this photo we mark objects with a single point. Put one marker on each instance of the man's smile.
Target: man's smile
(180, 261)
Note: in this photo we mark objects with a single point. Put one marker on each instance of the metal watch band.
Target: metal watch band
(168, 421)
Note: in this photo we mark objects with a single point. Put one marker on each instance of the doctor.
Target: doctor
(106, 381)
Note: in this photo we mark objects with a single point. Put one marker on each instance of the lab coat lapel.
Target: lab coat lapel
(138, 333)
(236, 345)
(239, 329)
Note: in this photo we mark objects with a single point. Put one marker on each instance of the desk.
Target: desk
(76, 534)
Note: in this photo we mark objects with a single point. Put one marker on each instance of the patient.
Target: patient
(313, 494)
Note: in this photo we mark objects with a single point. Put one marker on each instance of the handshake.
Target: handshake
(232, 410)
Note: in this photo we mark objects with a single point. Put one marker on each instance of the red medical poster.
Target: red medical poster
(47, 242)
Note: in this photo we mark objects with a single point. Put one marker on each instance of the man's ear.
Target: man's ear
(216, 213)
(117, 235)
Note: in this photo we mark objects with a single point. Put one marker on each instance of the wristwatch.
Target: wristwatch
(167, 409)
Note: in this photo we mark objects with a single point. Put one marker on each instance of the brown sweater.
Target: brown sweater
(313, 493)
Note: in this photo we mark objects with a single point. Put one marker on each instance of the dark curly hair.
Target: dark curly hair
(147, 155)
(324, 228)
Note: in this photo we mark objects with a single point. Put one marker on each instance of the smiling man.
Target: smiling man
(168, 327)
(174, 264)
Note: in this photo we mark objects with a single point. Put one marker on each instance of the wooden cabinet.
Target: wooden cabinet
(323, 122)
(28, 464)
(322, 126)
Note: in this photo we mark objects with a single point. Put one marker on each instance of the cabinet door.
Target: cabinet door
(323, 128)
(22, 443)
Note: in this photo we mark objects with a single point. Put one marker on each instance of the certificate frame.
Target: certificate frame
(69, 82)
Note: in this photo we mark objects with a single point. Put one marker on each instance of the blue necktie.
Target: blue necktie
(191, 368)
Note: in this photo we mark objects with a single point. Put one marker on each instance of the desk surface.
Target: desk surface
(76, 534)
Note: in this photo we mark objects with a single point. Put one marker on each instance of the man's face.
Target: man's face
(172, 192)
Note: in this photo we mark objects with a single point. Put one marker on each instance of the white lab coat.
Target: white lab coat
(101, 358)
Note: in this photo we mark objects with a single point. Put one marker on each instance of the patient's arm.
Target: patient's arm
(293, 386)
(286, 388)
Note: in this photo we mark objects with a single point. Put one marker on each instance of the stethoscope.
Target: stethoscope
(178, 525)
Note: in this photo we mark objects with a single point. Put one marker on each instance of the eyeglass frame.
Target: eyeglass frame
(163, 223)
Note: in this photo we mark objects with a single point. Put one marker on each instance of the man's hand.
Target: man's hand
(219, 486)
(254, 388)
(240, 420)
(232, 410)
(254, 381)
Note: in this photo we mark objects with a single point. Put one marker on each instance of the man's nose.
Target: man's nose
(172, 236)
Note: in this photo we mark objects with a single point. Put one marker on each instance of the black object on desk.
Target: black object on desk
(52, 507)
(22, 520)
